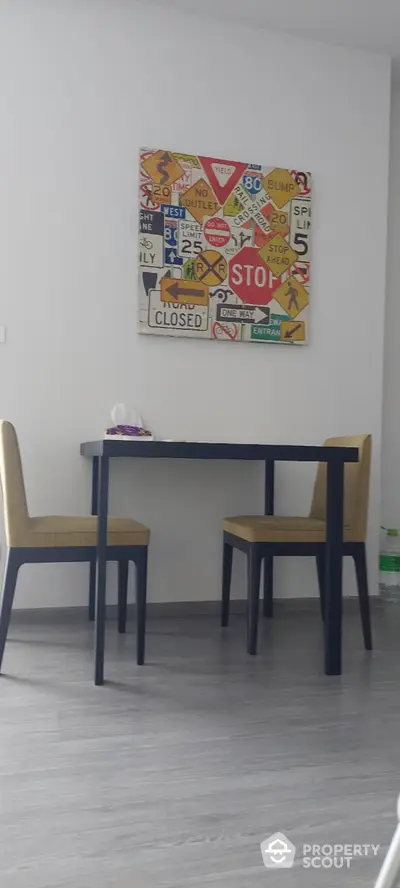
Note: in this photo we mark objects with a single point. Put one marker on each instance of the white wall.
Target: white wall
(390, 510)
(82, 86)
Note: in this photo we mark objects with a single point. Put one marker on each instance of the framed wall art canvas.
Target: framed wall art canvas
(224, 249)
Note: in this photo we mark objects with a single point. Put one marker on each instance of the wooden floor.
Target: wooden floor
(171, 775)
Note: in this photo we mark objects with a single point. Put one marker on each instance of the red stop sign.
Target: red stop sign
(250, 278)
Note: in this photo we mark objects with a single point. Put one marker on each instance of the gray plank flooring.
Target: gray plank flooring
(171, 775)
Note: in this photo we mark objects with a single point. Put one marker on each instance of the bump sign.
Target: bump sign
(224, 248)
(280, 187)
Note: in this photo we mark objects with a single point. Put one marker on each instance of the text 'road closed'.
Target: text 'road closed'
(175, 316)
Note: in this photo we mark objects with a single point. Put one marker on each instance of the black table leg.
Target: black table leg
(333, 568)
(92, 574)
(269, 496)
(101, 571)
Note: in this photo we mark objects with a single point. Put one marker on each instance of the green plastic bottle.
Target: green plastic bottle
(389, 566)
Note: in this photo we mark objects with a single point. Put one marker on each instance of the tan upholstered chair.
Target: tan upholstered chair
(263, 536)
(59, 538)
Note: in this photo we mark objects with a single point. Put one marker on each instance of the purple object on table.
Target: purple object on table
(132, 431)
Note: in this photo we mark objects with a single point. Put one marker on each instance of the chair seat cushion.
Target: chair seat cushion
(64, 530)
(276, 529)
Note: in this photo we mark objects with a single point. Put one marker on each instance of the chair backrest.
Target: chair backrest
(356, 485)
(15, 506)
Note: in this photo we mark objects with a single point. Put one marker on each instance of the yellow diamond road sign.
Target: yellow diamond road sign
(293, 331)
(278, 255)
(280, 187)
(232, 206)
(163, 168)
(200, 200)
(292, 296)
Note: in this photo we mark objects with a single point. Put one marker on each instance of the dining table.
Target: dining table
(101, 451)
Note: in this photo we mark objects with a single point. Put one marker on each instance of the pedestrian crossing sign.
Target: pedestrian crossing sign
(292, 296)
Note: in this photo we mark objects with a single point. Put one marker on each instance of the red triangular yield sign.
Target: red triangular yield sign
(222, 175)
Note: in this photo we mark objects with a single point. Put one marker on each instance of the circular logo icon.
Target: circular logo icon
(303, 180)
(225, 331)
(210, 268)
(146, 196)
(217, 232)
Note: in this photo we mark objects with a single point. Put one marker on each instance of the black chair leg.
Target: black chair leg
(360, 561)
(320, 558)
(92, 591)
(9, 584)
(268, 599)
(253, 594)
(226, 582)
(123, 567)
(141, 593)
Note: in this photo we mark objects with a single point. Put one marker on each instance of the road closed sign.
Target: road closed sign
(175, 316)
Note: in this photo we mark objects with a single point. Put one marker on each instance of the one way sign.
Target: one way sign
(243, 314)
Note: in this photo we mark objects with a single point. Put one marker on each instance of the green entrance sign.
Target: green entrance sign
(268, 332)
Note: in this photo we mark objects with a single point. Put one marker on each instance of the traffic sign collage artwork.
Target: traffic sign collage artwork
(224, 249)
